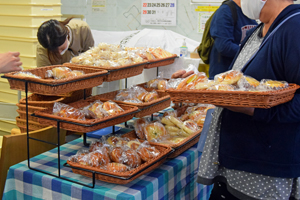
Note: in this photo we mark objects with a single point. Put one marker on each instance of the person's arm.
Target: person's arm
(42, 57)
(10, 62)
(222, 31)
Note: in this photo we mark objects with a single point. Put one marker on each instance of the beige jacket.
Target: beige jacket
(82, 40)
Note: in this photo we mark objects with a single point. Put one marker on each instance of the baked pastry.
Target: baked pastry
(186, 81)
(74, 73)
(204, 85)
(98, 158)
(147, 153)
(151, 96)
(252, 81)
(139, 125)
(175, 140)
(190, 127)
(162, 84)
(82, 159)
(95, 146)
(60, 72)
(200, 120)
(27, 74)
(275, 84)
(115, 167)
(176, 121)
(152, 83)
(229, 77)
(131, 158)
(112, 108)
(64, 110)
(167, 121)
(222, 87)
(116, 155)
(195, 114)
(133, 144)
(154, 131)
(172, 130)
(113, 140)
(142, 96)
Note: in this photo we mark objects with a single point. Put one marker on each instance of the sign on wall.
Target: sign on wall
(98, 6)
(158, 12)
(204, 14)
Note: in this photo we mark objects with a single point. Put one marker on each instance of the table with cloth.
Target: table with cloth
(174, 179)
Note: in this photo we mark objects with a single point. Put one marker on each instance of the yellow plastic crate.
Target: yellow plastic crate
(7, 9)
(25, 21)
(30, 1)
(26, 47)
(19, 32)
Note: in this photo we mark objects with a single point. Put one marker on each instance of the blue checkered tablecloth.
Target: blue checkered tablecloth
(174, 179)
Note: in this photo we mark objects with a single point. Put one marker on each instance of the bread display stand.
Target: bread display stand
(93, 77)
(26, 82)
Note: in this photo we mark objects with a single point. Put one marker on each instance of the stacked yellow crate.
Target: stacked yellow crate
(19, 21)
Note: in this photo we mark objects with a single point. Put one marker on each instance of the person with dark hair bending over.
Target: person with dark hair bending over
(59, 41)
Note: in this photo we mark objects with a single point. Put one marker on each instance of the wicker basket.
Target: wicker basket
(117, 73)
(40, 101)
(179, 147)
(91, 78)
(125, 177)
(147, 108)
(266, 99)
(22, 115)
(32, 125)
(36, 101)
(161, 62)
(144, 85)
(48, 118)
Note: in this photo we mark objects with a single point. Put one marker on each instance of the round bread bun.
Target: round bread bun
(142, 96)
(113, 140)
(151, 96)
(95, 146)
(131, 158)
(116, 155)
(116, 167)
(154, 131)
(83, 159)
(148, 153)
(233, 77)
(152, 83)
(162, 85)
(133, 144)
(111, 108)
(98, 158)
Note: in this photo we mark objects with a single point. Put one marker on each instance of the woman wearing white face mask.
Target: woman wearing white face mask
(60, 41)
(253, 153)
